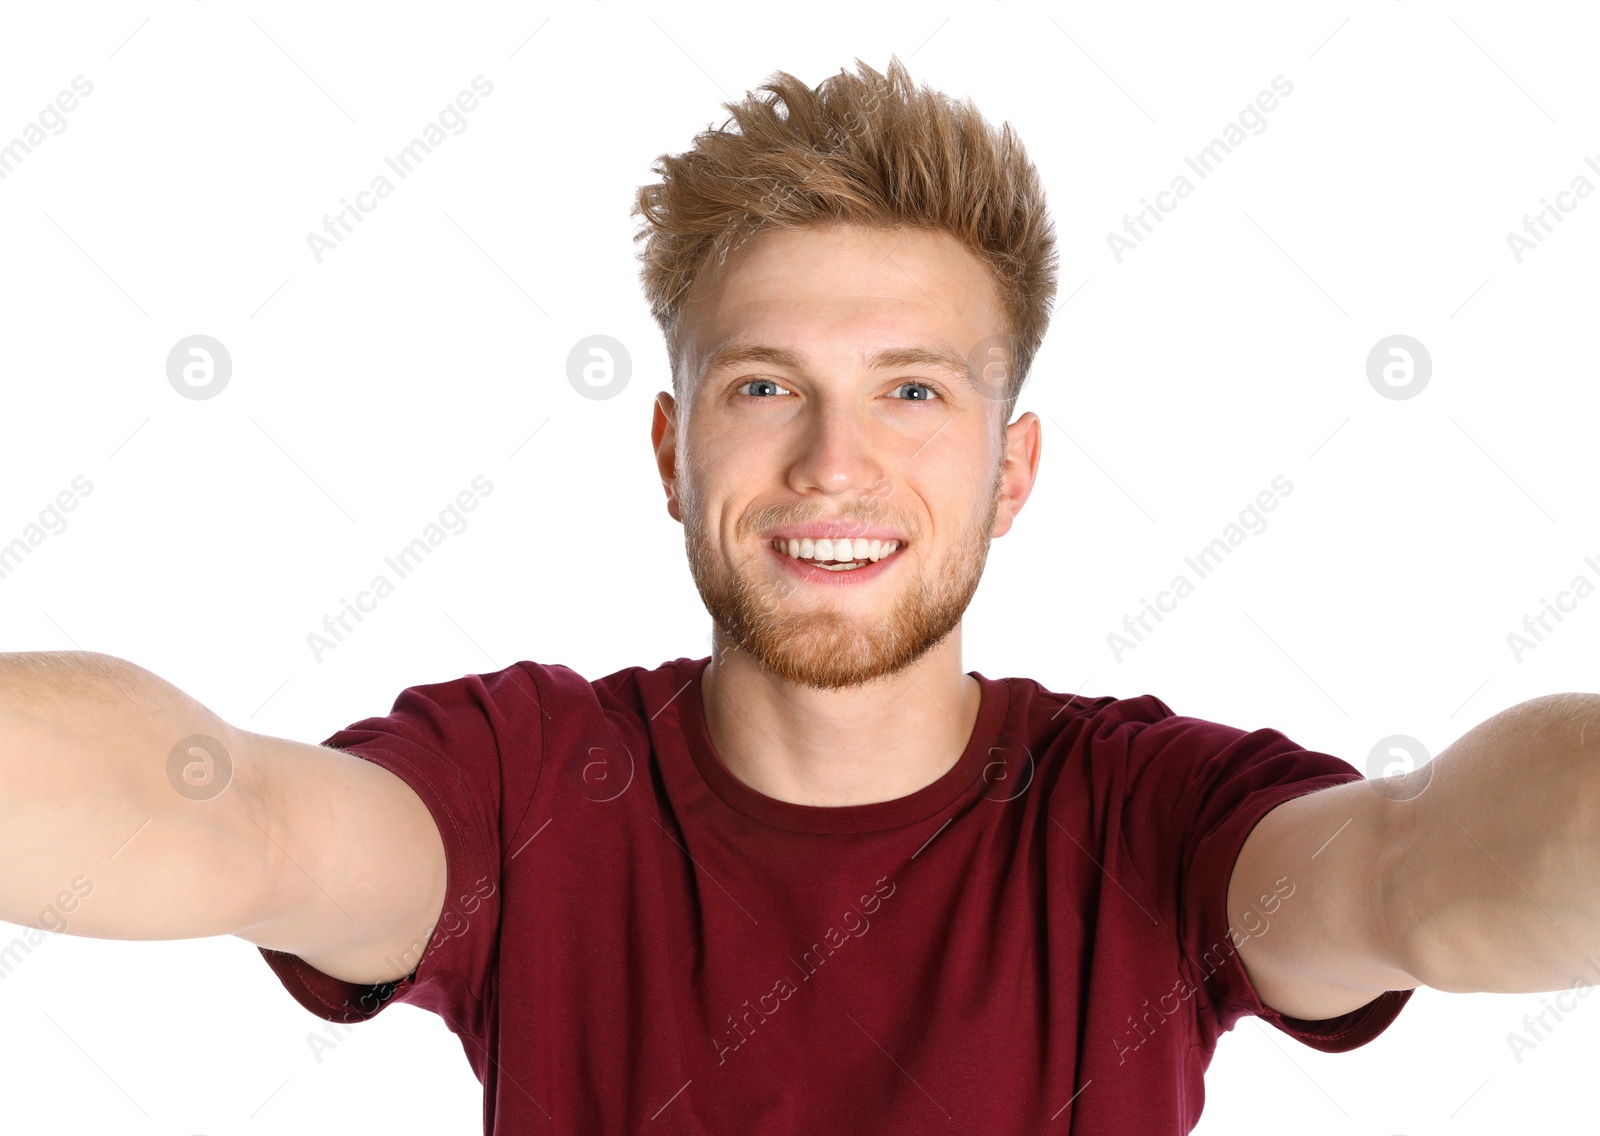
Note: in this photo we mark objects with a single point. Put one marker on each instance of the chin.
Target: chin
(835, 648)
(833, 651)
(827, 653)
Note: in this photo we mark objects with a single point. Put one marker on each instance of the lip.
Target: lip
(811, 574)
(832, 530)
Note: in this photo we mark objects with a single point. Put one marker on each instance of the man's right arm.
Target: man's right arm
(187, 826)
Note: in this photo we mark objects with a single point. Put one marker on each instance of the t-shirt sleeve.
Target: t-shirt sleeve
(1195, 790)
(469, 748)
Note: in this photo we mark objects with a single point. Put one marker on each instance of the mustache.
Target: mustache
(762, 520)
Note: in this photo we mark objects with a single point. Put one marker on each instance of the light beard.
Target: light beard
(829, 649)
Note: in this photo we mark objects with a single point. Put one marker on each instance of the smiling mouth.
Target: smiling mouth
(841, 555)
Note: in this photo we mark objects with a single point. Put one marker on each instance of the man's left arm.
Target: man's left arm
(1476, 872)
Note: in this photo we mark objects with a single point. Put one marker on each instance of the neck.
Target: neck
(852, 746)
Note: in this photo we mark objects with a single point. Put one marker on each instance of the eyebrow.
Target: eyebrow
(943, 359)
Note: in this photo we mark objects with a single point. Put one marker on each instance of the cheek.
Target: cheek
(694, 488)
(956, 508)
(716, 467)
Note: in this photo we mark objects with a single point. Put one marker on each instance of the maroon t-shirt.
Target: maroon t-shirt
(633, 939)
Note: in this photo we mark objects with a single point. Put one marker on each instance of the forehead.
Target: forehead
(849, 294)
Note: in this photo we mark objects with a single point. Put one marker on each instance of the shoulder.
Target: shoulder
(628, 700)
(1047, 716)
(556, 685)
(517, 706)
(1139, 748)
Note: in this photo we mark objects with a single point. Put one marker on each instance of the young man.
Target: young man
(822, 880)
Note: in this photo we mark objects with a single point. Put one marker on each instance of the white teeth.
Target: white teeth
(845, 550)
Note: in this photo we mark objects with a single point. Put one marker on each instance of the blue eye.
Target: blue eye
(767, 388)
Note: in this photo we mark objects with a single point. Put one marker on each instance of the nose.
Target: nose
(835, 453)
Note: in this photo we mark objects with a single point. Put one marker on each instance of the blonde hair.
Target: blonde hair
(868, 149)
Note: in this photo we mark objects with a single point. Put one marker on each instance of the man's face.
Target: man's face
(804, 435)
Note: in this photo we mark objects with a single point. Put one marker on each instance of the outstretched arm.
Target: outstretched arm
(177, 825)
(1474, 873)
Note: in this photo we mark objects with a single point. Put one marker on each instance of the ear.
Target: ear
(1020, 468)
(664, 440)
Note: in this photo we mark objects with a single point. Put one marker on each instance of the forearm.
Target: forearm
(96, 837)
(1496, 888)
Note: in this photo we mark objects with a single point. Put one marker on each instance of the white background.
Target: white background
(369, 389)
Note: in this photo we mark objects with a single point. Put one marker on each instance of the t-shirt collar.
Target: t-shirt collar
(931, 799)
